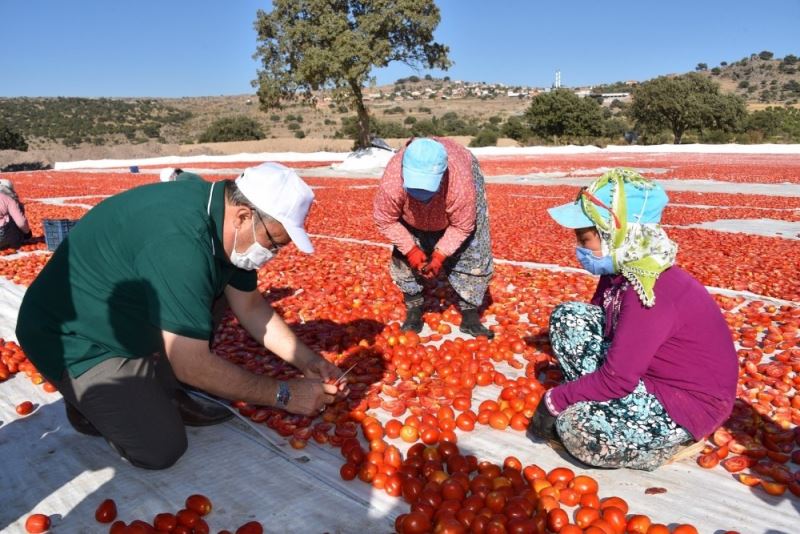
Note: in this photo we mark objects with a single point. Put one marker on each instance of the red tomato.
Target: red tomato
(166, 522)
(37, 523)
(199, 503)
(708, 461)
(409, 433)
(252, 527)
(187, 518)
(584, 484)
(773, 488)
(118, 527)
(201, 527)
(734, 464)
(498, 420)
(638, 524)
(373, 431)
(614, 517)
(614, 501)
(140, 527)
(428, 434)
(465, 422)
(560, 474)
(393, 427)
(556, 519)
(586, 516)
(106, 512)
(415, 523)
(685, 529)
(25, 407)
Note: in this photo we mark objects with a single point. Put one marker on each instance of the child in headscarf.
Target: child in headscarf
(14, 226)
(650, 363)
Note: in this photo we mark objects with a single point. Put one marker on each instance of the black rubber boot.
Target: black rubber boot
(413, 320)
(471, 323)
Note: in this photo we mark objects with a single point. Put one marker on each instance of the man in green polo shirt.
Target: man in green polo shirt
(123, 308)
(177, 175)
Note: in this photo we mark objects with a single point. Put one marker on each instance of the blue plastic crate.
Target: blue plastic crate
(55, 230)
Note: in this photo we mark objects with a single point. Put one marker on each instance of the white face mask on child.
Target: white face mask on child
(254, 257)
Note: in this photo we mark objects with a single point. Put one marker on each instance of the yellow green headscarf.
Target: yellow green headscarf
(639, 251)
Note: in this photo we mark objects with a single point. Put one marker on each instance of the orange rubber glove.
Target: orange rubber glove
(416, 258)
(434, 267)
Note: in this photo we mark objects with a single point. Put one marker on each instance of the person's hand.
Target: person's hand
(543, 423)
(416, 258)
(322, 369)
(309, 396)
(434, 267)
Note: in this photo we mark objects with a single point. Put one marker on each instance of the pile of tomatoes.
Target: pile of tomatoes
(762, 435)
(419, 394)
(13, 361)
(189, 520)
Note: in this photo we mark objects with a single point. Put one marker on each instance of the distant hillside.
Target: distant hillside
(99, 121)
(761, 79)
(412, 105)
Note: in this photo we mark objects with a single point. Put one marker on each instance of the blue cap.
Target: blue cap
(645, 206)
(424, 163)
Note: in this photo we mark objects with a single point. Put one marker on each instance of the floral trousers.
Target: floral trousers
(634, 431)
(469, 269)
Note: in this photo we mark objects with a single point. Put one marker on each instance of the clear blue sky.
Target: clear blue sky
(204, 47)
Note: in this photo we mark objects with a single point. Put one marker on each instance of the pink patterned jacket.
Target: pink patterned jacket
(451, 209)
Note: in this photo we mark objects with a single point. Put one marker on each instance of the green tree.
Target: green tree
(310, 45)
(683, 102)
(485, 137)
(11, 139)
(701, 66)
(765, 55)
(239, 128)
(563, 113)
(515, 129)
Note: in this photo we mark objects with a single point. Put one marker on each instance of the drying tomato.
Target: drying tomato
(37, 523)
(187, 518)
(24, 407)
(106, 512)
(735, 464)
(708, 460)
(165, 522)
(199, 503)
(252, 527)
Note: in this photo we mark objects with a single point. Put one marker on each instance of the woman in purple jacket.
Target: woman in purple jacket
(650, 363)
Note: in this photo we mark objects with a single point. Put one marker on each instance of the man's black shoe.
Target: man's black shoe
(199, 412)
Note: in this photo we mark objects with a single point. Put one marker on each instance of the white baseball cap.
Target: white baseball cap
(280, 193)
(166, 174)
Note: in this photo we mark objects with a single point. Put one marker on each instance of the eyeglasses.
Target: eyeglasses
(274, 247)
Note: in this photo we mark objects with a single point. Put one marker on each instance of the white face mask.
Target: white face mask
(254, 257)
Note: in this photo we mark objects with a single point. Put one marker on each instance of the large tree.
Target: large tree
(563, 113)
(309, 45)
(11, 139)
(683, 102)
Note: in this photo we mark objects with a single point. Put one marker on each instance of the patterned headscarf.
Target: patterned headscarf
(639, 251)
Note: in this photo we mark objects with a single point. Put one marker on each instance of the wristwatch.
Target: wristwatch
(283, 396)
